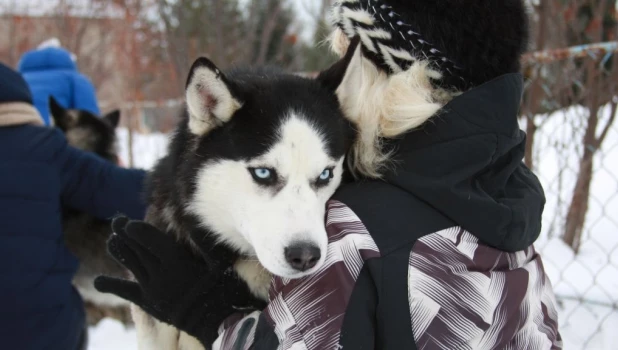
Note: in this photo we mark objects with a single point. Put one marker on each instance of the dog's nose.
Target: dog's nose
(303, 256)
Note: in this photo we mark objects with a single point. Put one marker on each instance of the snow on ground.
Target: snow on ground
(147, 149)
(112, 335)
(586, 285)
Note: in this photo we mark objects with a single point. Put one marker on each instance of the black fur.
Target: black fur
(267, 95)
(483, 38)
(86, 236)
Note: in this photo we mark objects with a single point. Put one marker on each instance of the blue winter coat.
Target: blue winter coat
(51, 71)
(39, 173)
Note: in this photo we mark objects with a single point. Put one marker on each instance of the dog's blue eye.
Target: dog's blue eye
(264, 176)
(324, 178)
(262, 173)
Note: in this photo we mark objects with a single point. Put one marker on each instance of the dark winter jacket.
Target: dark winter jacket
(437, 256)
(51, 71)
(39, 173)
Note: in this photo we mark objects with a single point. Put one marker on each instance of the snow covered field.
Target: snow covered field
(586, 284)
(147, 149)
(112, 335)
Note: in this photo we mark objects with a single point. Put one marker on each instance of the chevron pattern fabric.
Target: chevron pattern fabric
(466, 295)
(391, 42)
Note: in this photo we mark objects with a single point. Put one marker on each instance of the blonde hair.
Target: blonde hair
(383, 105)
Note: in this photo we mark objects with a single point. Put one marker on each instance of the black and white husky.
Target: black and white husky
(250, 169)
(260, 152)
(86, 236)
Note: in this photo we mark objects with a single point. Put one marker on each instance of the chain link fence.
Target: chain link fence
(568, 112)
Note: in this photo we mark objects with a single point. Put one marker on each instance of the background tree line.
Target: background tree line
(141, 50)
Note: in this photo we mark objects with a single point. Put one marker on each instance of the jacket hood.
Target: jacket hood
(46, 59)
(467, 163)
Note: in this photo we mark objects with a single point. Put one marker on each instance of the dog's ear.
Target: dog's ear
(113, 118)
(333, 77)
(211, 99)
(62, 118)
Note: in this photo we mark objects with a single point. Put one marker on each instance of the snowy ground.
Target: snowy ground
(586, 284)
(112, 335)
(147, 149)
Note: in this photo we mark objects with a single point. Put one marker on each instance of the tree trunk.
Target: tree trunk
(267, 33)
(597, 86)
(576, 216)
(251, 35)
(132, 116)
(12, 44)
(217, 22)
(535, 93)
(177, 40)
(531, 129)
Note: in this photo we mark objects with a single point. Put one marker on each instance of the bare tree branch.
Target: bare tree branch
(267, 31)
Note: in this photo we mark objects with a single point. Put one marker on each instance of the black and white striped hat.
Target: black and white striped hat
(468, 42)
(393, 40)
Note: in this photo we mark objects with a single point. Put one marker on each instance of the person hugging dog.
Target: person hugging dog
(432, 245)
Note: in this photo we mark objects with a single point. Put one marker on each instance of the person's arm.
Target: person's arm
(98, 187)
(194, 294)
(84, 95)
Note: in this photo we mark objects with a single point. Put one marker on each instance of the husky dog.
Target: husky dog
(259, 153)
(249, 171)
(84, 235)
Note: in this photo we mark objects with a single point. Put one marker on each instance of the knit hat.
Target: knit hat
(468, 42)
(13, 87)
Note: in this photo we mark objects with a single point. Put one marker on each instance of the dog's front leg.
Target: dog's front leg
(152, 334)
(187, 342)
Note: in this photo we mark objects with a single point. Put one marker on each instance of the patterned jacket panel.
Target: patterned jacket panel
(466, 295)
(461, 294)
(308, 313)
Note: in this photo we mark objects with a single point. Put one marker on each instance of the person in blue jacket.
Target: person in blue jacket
(39, 173)
(52, 71)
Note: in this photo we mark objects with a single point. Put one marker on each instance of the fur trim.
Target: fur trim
(19, 113)
(384, 106)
